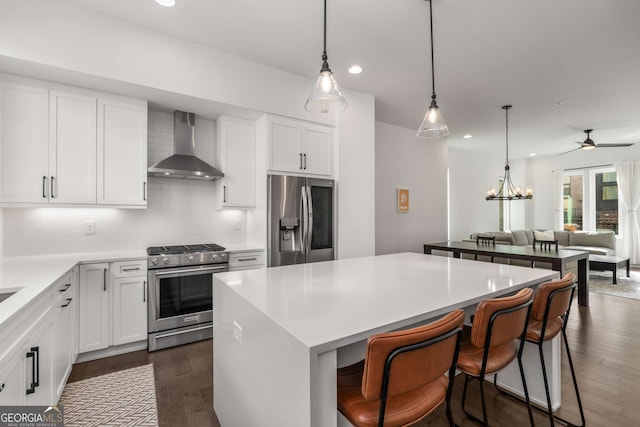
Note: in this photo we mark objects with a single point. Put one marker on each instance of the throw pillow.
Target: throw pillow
(544, 235)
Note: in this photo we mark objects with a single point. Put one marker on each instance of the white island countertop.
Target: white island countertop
(280, 333)
(325, 303)
(32, 275)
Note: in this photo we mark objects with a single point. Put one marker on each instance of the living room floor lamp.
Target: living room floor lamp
(507, 190)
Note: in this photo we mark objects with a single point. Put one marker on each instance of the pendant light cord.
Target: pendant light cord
(506, 109)
(433, 74)
(324, 50)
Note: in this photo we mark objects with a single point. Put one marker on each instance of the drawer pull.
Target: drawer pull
(68, 302)
(67, 286)
(131, 269)
(247, 259)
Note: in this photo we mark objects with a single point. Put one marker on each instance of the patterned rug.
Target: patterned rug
(123, 398)
(627, 287)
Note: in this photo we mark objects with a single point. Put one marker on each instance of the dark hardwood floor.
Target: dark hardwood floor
(604, 341)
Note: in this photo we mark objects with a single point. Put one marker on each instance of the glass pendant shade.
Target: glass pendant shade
(325, 97)
(433, 125)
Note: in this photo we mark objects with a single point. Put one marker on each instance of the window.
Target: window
(606, 201)
(572, 191)
(590, 204)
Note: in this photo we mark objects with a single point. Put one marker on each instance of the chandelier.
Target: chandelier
(507, 190)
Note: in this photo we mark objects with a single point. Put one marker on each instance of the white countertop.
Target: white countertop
(31, 275)
(325, 303)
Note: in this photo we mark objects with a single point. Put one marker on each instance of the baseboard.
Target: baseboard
(112, 351)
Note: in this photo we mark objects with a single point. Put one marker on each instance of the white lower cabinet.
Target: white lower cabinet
(246, 260)
(129, 309)
(39, 355)
(64, 332)
(112, 304)
(93, 291)
(12, 380)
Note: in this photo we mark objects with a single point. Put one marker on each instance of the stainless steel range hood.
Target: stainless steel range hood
(184, 164)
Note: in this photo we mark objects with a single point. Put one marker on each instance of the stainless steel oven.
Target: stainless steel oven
(180, 306)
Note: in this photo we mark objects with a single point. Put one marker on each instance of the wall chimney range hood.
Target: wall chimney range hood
(184, 164)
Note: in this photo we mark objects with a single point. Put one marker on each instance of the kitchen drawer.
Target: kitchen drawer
(131, 268)
(242, 260)
(64, 287)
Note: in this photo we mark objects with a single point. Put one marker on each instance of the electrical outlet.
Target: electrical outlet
(89, 227)
(237, 332)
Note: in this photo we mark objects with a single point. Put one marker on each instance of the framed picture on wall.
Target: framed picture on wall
(403, 200)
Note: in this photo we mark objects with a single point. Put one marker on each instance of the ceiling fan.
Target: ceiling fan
(588, 143)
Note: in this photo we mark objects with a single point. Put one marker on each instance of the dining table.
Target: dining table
(558, 258)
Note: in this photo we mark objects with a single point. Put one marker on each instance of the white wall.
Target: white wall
(356, 175)
(178, 212)
(406, 161)
(62, 40)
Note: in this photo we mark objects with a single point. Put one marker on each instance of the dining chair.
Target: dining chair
(549, 317)
(489, 345)
(403, 376)
(544, 245)
(484, 241)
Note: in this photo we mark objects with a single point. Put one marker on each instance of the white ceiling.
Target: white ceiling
(533, 55)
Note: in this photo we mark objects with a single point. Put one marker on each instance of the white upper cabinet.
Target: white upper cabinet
(24, 141)
(300, 147)
(236, 154)
(122, 152)
(72, 148)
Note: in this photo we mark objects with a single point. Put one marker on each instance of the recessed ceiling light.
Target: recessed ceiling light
(559, 103)
(532, 154)
(166, 3)
(467, 136)
(355, 69)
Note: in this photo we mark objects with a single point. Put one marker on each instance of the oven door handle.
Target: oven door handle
(192, 270)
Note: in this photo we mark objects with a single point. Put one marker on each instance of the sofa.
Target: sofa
(594, 242)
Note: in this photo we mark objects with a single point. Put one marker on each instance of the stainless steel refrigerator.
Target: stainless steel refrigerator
(300, 220)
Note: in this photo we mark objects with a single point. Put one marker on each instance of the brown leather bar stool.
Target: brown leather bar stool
(402, 377)
(490, 344)
(549, 317)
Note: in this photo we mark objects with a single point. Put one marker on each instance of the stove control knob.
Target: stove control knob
(154, 261)
(215, 256)
(224, 256)
(191, 258)
(165, 260)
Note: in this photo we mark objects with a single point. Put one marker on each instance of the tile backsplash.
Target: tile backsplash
(178, 211)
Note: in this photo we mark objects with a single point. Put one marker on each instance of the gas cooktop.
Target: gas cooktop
(184, 249)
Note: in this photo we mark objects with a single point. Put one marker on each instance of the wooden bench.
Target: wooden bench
(608, 263)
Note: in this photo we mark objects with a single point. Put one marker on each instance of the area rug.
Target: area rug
(123, 398)
(627, 287)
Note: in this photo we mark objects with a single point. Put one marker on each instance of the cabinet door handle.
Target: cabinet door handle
(144, 191)
(144, 291)
(44, 187)
(1, 386)
(36, 350)
(52, 187)
(224, 194)
(104, 279)
(300, 161)
(305, 161)
(68, 302)
(67, 286)
(32, 387)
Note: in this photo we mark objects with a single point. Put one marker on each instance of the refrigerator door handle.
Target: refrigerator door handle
(310, 219)
(305, 219)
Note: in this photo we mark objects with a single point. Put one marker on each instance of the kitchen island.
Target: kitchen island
(280, 333)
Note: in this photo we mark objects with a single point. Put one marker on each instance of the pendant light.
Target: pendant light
(433, 125)
(325, 97)
(507, 190)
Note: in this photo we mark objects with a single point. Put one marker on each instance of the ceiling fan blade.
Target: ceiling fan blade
(579, 148)
(625, 144)
(578, 142)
